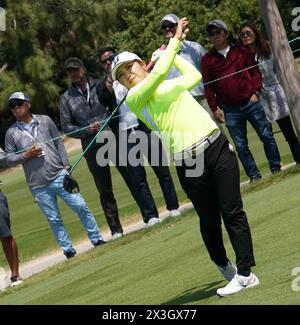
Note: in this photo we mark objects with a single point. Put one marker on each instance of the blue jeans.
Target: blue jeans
(236, 121)
(46, 199)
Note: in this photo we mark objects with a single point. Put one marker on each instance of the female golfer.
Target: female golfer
(168, 107)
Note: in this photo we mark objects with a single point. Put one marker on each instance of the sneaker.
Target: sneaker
(174, 213)
(152, 222)
(116, 235)
(15, 280)
(228, 271)
(70, 254)
(99, 242)
(255, 179)
(237, 284)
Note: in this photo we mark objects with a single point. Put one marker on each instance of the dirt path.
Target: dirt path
(42, 263)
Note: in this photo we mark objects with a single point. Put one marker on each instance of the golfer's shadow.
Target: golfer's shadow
(195, 294)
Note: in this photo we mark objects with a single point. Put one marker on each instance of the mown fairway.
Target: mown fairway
(168, 264)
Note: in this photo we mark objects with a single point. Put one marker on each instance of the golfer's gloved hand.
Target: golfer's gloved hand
(156, 55)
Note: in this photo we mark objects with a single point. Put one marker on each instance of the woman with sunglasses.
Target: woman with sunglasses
(272, 94)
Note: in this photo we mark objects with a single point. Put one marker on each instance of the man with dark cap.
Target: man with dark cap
(237, 95)
(81, 106)
(46, 164)
(8, 242)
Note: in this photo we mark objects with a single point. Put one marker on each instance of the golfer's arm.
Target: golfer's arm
(140, 94)
(190, 75)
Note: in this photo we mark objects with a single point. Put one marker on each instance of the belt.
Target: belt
(199, 98)
(199, 147)
(242, 103)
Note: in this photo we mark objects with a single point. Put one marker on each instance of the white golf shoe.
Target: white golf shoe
(15, 281)
(237, 284)
(116, 235)
(228, 271)
(152, 222)
(174, 213)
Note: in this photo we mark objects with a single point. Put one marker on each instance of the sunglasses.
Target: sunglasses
(246, 34)
(170, 26)
(215, 33)
(110, 59)
(15, 103)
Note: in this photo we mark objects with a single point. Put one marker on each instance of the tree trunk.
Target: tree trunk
(284, 59)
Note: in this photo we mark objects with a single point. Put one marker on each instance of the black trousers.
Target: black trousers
(103, 182)
(217, 192)
(138, 178)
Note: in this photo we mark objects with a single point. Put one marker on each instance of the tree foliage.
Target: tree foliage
(41, 34)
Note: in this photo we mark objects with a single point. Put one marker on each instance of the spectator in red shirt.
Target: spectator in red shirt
(238, 96)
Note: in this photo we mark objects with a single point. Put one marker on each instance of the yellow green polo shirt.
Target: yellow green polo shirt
(167, 105)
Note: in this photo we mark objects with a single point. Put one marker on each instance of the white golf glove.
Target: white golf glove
(157, 54)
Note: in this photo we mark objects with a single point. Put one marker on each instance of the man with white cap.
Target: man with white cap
(46, 164)
(190, 51)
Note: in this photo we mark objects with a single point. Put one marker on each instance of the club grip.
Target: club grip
(150, 65)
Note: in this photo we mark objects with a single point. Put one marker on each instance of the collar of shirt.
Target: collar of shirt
(87, 93)
(214, 51)
(225, 51)
(28, 127)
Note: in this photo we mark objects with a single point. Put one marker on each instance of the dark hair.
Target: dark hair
(262, 47)
(105, 49)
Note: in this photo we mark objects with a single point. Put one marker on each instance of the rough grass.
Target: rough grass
(169, 264)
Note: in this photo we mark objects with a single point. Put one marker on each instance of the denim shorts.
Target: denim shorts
(4, 217)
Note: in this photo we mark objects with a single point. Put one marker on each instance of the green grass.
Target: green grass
(169, 264)
(31, 229)
(298, 64)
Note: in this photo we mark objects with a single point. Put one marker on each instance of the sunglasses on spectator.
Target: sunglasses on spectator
(215, 33)
(15, 103)
(110, 59)
(247, 33)
(170, 26)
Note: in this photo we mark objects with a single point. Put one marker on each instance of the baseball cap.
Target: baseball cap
(171, 18)
(218, 24)
(121, 58)
(18, 95)
(73, 62)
